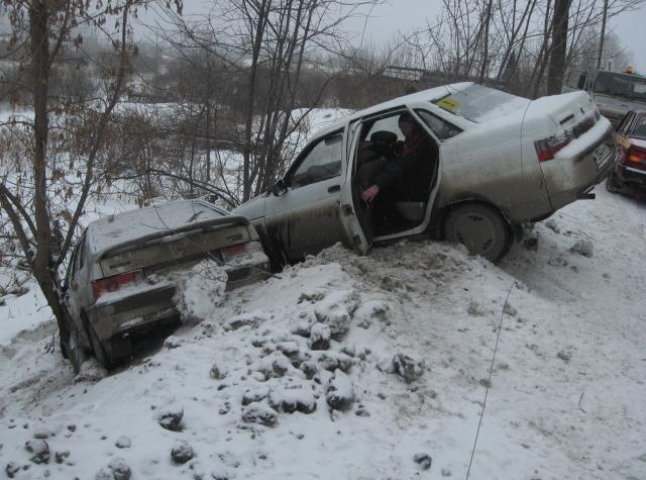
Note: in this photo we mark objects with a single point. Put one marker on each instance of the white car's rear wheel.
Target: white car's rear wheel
(480, 228)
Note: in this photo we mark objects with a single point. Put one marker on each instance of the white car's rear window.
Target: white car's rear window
(477, 102)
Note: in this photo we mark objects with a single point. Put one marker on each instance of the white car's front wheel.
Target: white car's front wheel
(480, 228)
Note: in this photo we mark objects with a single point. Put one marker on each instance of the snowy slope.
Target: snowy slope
(538, 363)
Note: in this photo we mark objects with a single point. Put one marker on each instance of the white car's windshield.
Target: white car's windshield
(476, 102)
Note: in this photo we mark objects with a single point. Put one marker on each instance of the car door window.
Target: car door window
(386, 124)
(322, 162)
(623, 126)
(639, 130)
(440, 127)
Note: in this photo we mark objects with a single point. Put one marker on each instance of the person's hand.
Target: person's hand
(369, 194)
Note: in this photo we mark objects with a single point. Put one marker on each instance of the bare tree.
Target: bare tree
(266, 45)
(523, 44)
(44, 27)
(603, 32)
(487, 23)
(559, 32)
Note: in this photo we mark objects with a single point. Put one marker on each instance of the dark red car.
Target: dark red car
(629, 174)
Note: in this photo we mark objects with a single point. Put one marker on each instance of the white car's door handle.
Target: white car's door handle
(334, 188)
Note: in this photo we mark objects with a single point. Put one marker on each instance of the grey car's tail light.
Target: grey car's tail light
(243, 252)
(112, 284)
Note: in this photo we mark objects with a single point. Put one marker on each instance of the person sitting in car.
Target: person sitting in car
(374, 154)
(406, 178)
(410, 174)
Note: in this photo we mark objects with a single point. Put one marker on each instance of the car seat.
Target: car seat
(383, 138)
(411, 211)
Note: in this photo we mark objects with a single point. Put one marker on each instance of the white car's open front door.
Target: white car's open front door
(354, 212)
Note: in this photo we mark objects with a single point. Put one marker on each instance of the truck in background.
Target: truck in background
(615, 93)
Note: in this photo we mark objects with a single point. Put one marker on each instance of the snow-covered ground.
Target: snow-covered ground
(438, 365)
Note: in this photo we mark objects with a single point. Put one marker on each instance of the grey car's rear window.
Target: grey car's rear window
(477, 102)
(134, 224)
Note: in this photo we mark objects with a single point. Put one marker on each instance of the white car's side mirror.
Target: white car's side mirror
(279, 187)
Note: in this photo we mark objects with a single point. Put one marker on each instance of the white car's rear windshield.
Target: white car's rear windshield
(477, 102)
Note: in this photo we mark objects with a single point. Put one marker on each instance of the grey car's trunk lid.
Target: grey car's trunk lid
(165, 251)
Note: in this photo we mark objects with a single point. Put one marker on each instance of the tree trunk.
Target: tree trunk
(208, 141)
(485, 55)
(558, 48)
(42, 262)
(260, 25)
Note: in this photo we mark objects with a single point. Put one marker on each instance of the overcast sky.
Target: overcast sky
(404, 16)
(407, 15)
(630, 27)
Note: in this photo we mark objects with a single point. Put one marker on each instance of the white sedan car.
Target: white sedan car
(497, 160)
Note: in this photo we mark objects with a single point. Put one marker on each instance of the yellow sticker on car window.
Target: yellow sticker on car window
(448, 104)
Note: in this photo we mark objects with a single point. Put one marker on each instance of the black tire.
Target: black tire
(64, 348)
(100, 353)
(480, 228)
(612, 184)
(73, 350)
(70, 343)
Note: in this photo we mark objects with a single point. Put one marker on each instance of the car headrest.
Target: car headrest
(383, 137)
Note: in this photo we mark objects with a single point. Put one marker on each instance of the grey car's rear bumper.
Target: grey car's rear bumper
(138, 310)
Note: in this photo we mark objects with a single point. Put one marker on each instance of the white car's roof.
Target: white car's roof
(117, 229)
(510, 111)
(429, 95)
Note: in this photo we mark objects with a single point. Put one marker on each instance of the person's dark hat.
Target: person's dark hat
(406, 117)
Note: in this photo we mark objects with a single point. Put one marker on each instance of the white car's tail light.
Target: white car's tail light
(112, 284)
(547, 148)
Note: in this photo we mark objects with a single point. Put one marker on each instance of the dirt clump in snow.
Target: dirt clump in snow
(181, 453)
(261, 414)
(120, 469)
(424, 460)
(170, 418)
(583, 247)
(293, 400)
(339, 394)
(39, 450)
(12, 469)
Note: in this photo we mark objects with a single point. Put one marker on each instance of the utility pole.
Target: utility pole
(603, 33)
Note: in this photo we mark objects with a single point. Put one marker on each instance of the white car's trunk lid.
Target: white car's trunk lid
(565, 110)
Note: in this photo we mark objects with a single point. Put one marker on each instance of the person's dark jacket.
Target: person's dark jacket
(411, 172)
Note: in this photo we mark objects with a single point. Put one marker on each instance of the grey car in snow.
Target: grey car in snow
(120, 280)
(500, 160)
